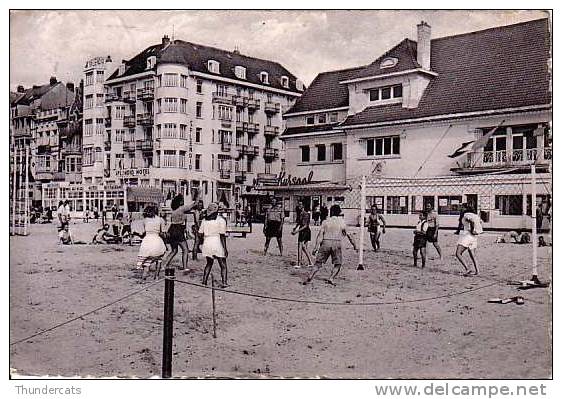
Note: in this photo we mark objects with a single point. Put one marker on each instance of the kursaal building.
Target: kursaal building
(442, 121)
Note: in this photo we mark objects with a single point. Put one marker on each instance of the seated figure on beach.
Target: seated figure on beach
(66, 238)
(103, 236)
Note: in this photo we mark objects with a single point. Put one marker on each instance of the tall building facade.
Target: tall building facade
(180, 117)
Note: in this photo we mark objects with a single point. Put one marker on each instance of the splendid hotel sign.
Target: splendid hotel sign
(132, 172)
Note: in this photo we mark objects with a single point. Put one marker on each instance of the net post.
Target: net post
(362, 223)
(534, 220)
(167, 335)
(214, 308)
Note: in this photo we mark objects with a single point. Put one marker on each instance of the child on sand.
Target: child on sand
(213, 228)
(420, 239)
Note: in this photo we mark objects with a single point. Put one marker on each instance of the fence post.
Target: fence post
(168, 323)
(214, 309)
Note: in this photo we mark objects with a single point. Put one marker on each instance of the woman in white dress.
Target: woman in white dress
(152, 246)
(213, 229)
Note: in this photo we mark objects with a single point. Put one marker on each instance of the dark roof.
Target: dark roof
(497, 68)
(405, 52)
(326, 92)
(32, 94)
(196, 56)
(308, 129)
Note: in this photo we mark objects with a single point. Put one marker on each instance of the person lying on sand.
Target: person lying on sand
(103, 236)
(516, 237)
(65, 237)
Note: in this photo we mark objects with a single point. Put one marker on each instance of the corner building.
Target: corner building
(181, 117)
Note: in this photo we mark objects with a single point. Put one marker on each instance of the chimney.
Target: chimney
(165, 40)
(70, 86)
(424, 45)
(53, 81)
(21, 89)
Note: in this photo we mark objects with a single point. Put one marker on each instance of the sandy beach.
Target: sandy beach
(459, 336)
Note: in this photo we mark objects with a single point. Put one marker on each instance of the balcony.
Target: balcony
(253, 128)
(129, 146)
(43, 173)
(240, 176)
(239, 101)
(226, 123)
(271, 130)
(508, 158)
(111, 97)
(267, 178)
(129, 121)
(224, 174)
(130, 96)
(222, 98)
(72, 149)
(271, 107)
(225, 147)
(271, 153)
(145, 93)
(145, 145)
(42, 141)
(59, 176)
(107, 122)
(107, 145)
(253, 104)
(241, 126)
(146, 119)
(250, 150)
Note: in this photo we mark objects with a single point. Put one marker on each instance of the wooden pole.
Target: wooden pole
(26, 200)
(168, 323)
(14, 187)
(18, 188)
(362, 224)
(534, 219)
(214, 308)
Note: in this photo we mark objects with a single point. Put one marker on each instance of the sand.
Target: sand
(461, 336)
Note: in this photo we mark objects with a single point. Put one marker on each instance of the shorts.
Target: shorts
(304, 235)
(176, 234)
(274, 229)
(467, 240)
(432, 234)
(329, 248)
(420, 241)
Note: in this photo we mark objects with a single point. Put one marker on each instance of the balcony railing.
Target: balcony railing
(253, 128)
(272, 107)
(271, 130)
(59, 176)
(270, 152)
(222, 98)
(145, 93)
(129, 121)
(241, 126)
(72, 149)
(110, 97)
(240, 176)
(225, 146)
(240, 101)
(513, 157)
(130, 96)
(253, 103)
(42, 141)
(224, 174)
(146, 119)
(145, 145)
(129, 146)
(250, 150)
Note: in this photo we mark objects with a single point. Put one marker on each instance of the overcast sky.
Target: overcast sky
(58, 43)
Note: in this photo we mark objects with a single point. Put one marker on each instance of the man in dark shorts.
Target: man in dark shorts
(433, 228)
(420, 239)
(303, 229)
(373, 223)
(328, 244)
(273, 226)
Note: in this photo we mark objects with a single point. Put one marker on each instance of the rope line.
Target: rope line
(87, 313)
(347, 303)
(433, 150)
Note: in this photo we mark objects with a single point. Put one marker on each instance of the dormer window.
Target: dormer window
(240, 72)
(385, 93)
(150, 62)
(300, 85)
(213, 66)
(388, 62)
(264, 77)
(122, 68)
(285, 81)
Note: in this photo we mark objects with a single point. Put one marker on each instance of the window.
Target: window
(119, 134)
(159, 80)
(322, 118)
(240, 72)
(169, 159)
(222, 90)
(88, 127)
(449, 204)
(268, 167)
(119, 111)
(225, 113)
(337, 151)
(264, 77)
(122, 69)
(183, 131)
(321, 152)
(388, 62)
(169, 130)
(198, 109)
(197, 161)
(88, 156)
(99, 100)
(509, 204)
(285, 81)
(89, 101)
(385, 93)
(383, 146)
(268, 120)
(378, 201)
(197, 134)
(100, 128)
(89, 79)
(99, 155)
(170, 80)
(543, 202)
(333, 117)
(397, 205)
(183, 81)
(199, 87)
(119, 161)
(183, 106)
(305, 153)
(181, 159)
(99, 77)
(170, 104)
(213, 66)
(150, 62)
(310, 120)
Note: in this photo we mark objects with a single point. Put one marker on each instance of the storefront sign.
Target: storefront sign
(289, 180)
(132, 172)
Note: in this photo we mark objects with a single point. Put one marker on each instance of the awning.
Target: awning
(307, 187)
(144, 194)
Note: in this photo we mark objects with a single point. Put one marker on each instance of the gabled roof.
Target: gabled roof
(196, 56)
(326, 92)
(497, 68)
(32, 94)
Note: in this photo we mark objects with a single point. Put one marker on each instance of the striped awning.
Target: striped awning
(144, 194)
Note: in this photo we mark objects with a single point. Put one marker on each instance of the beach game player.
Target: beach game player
(468, 240)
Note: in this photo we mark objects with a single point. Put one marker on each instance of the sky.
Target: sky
(58, 43)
